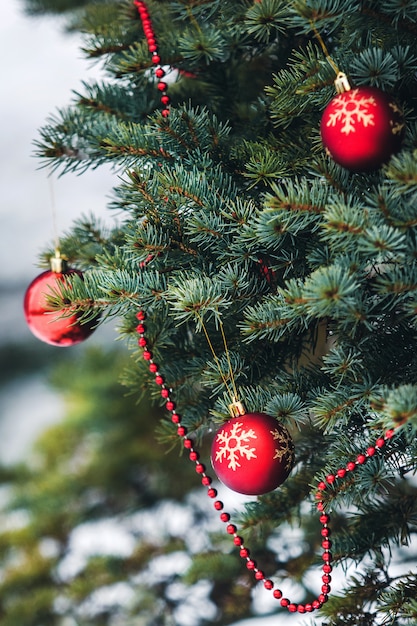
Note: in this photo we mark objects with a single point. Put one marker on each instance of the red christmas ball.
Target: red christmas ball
(47, 324)
(252, 453)
(361, 128)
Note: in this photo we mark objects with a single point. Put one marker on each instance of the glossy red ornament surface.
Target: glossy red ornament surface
(48, 325)
(252, 453)
(362, 128)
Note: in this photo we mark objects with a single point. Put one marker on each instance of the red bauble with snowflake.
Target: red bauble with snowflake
(361, 128)
(252, 453)
(47, 324)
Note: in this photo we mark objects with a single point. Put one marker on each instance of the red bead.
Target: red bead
(327, 556)
(380, 443)
(325, 588)
(162, 86)
(165, 112)
(181, 431)
(244, 553)
(147, 355)
(188, 443)
(341, 472)
(361, 128)
(200, 468)
(325, 532)
(324, 519)
(238, 541)
(142, 342)
(252, 453)
(320, 506)
(309, 608)
(371, 451)
(301, 608)
(159, 380)
(322, 598)
(326, 579)
(285, 602)
(165, 99)
(170, 406)
(318, 495)
(225, 517)
(231, 529)
(350, 466)
(159, 72)
(156, 59)
(152, 48)
(212, 493)
(194, 456)
(153, 368)
(206, 481)
(322, 486)
(140, 328)
(259, 575)
(268, 584)
(292, 607)
(326, 544)
(361, 458)
(175, 418)
(389, 433)
(316, 604)
(331, 478)
(141, 315)
(251, 565)
(165, 393)
(218, 505)
(151, 39)
(277, 593)
(327, 568)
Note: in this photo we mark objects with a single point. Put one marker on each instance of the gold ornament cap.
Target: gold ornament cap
(236, 408)
(58, 264)
(342, 83)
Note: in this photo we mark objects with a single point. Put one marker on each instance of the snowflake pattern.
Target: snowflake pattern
(235, 444)
(286, 448)
(351, 110)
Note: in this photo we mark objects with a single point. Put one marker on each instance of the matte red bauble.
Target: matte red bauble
(252, 453)
(361, 128)
(49, 325)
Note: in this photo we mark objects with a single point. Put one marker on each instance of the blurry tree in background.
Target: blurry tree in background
(100, 522)
(233, 217)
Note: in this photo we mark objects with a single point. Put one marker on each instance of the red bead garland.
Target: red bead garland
(188, 444)
(225, 517)
(153, 49)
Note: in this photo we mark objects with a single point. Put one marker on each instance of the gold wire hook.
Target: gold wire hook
(341, 82)
(323, 47)
(236, 407)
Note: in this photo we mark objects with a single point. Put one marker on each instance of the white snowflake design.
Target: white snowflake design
(352, 110)
(235, 445)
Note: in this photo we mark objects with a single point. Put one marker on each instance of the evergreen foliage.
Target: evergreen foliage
(309, 269)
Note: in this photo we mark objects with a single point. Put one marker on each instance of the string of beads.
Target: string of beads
(225, 517)
(188, 443)
(149, 33)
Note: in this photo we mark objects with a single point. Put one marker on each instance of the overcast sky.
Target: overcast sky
(40, 67)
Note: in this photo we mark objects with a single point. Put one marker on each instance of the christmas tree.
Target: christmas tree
(266, 244)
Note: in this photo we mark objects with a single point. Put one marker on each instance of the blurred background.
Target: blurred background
(41, 65)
